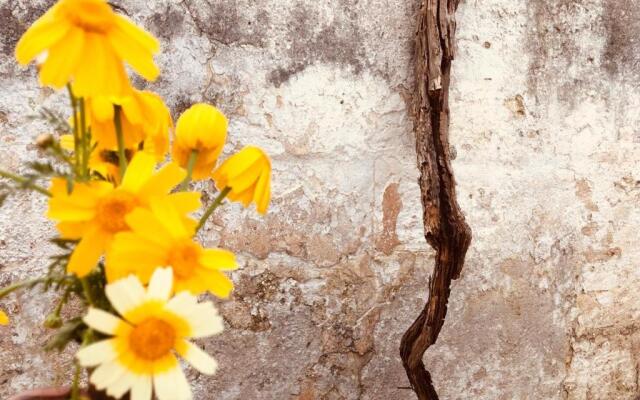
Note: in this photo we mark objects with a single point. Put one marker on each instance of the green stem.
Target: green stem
(87, 338)
(5, 291)
(191, 163)
(62, 302)
(24, 181)
(76, 136)
(85, 140)
(87, 291)
(122, 156)
(75, 388)
(216, 203)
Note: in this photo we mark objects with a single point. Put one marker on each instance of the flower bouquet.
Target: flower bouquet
(128, 252)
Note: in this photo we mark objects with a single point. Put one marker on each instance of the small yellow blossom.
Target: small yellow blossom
(86, 42)
(203, 129)
(95, 211)
(248, 175)
(4, 319)
(144, 118)
(160, 237)
(140, 354)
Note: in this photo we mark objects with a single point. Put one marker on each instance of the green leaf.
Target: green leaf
(71, 330)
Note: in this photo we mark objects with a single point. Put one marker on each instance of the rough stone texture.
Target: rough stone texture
(545, 114)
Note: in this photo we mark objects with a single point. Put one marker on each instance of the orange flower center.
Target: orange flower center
(183, 258)
(90, 15)
(152, 339)
(114, 208)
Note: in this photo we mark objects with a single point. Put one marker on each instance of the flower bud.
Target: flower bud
(44, 141)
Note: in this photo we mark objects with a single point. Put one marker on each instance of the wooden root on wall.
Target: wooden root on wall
(444, 224)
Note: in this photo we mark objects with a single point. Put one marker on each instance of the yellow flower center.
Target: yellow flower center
(90, 15)
(114, 208)
(183, 258)
(152, 339)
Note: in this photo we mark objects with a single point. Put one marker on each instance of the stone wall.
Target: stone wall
(545, 108)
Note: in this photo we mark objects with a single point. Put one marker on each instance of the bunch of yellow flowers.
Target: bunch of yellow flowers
(125, 217)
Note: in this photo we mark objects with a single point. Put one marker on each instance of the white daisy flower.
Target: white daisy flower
(140, 355)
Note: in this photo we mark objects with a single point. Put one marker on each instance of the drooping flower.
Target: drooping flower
(203, 129)
(86, 42)
(140, 355)
(145, 122)
(4, 319)
(96, 210)
(160, 237)
(248, 175)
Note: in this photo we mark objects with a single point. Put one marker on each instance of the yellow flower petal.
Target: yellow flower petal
(43, 34)
(102, 109)
(87, 253)
(144, 223)
(133, 51)
(164, 180)
(144, 38)
(63, 59)
(201, 128)
(262, 196)
(99, 72)
(218, 259)
(4, 319)
(185, 202)
(218, 283)
(170, 218)
(139, 172)
(248, 175)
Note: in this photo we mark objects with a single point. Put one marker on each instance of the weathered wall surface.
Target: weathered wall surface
(546, 127)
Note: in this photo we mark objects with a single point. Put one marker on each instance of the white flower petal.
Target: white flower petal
(125, 294)
(206, 321)
(106, 374)
(181, 300)
(200, 360)
(101, 321)
(161, 284)
(97, 353)
(141, 389)
(122, 385)
(203, 318)
(172, 385)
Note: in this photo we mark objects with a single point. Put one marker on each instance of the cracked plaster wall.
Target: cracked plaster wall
(545, 109)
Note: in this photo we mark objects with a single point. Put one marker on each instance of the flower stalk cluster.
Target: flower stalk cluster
(126, 218)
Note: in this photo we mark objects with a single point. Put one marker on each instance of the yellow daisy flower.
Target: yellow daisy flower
(203, 129)
(86, 42)
(248, 175)
(4, 319)
(160, 237)
(95, 211)
(145, 118)
(139, 357)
